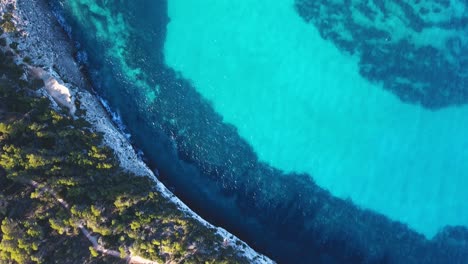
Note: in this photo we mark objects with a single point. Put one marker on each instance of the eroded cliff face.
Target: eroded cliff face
(418, 49)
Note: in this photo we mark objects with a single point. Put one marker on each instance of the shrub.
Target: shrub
(14, 46)
(27, 60)
(7, 25)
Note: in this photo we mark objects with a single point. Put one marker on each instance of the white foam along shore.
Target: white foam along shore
(43, 40)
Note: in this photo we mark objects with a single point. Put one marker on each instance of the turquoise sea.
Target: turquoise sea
(316, 131)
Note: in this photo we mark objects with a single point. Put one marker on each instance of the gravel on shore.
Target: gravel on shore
(42, 39)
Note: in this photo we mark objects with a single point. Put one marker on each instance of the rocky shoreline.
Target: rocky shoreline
(42, 41)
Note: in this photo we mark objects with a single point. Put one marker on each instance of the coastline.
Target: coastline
(44, 41)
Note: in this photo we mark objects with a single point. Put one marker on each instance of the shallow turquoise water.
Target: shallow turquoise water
(303, 106)
(250, 87)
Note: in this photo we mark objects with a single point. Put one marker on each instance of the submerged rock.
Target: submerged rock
(417, 49)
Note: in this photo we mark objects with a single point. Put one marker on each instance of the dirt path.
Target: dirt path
(93, 239)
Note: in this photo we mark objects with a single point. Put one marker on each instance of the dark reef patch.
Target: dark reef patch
(417, 49)
(212, 169)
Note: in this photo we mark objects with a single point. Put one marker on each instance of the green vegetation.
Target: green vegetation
(27, 60)
(14, 46)
(6, 23)
(65, 155)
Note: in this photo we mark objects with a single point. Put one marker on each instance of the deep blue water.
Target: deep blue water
(214, 170)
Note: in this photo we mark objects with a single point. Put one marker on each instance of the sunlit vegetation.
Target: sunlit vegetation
(124, 210)
(6, 20)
